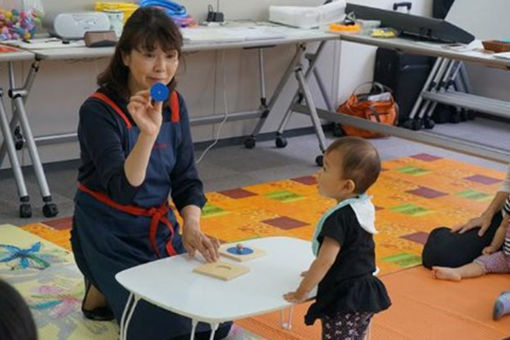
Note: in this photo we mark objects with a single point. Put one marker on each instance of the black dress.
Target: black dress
(349, 285)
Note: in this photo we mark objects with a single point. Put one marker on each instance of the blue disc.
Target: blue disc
(242, 251)
(159, 92)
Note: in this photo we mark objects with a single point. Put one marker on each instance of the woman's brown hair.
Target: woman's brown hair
(146, 29)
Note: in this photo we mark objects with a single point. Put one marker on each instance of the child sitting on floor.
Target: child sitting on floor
(348, 293)
(493, 258)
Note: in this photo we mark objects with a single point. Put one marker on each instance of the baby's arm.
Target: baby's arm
(318, 269)
(499, 237)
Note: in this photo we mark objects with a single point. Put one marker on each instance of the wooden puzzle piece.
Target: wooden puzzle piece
(240, 253)
(222, 270)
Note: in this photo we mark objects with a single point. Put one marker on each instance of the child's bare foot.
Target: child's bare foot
(445, 273)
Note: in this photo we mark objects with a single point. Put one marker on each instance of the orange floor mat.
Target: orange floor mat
(423, 308)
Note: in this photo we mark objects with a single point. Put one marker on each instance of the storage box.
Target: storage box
(496, 45)
(308, 17)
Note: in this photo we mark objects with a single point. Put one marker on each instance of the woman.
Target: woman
(135, 153)
(465, 242)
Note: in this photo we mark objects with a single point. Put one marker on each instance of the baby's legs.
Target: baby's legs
(497, 262)
(346, 325)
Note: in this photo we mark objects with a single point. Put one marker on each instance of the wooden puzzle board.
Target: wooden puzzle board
(239, 257)
(222, 270)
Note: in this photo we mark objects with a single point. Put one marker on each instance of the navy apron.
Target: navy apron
(108, 237)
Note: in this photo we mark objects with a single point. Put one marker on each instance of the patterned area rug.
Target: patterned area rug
(412, 196)
(48, 279)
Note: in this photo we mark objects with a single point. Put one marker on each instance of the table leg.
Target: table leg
(298, 95)
(193, 328)
(124, 313)
(284, 324)
(250, 141)
(127, 314)
(8, 143)
(313, 114)
(367, 335)
(18, 97)
(214, 327)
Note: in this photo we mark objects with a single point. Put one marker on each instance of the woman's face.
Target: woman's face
(149, 67)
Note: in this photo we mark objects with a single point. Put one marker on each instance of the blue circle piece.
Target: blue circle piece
(159, 92)
(242, 251)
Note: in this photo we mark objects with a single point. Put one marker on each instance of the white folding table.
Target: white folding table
(455, 98)
(235, 35)
(211, 300)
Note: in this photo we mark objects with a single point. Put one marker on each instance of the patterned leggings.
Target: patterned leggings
(346, 326)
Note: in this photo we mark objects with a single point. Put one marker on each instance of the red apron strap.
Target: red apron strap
(105, 99)
(174, 107)
(169, 246)
(157, 215)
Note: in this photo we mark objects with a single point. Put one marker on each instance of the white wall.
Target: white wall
(485, 20)
(61, 87)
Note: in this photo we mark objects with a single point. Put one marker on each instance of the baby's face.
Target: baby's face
(331, 181)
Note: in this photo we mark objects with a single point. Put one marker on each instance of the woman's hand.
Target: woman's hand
(147, 115)
(194, 239)
(483, 221)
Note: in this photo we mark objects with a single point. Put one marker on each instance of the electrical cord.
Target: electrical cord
(225, 116)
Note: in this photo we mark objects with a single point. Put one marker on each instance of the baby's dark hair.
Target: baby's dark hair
(360, 161)
(16, 321)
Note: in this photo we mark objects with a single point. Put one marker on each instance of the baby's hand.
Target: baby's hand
(488, 250)
(295, 297)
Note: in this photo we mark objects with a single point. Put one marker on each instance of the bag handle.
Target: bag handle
(382, 88)
(375, 113)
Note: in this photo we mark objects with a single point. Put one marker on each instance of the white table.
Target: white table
(235, 35)
(19, 55)
(455, 98)
(210, 300)
(429, 48)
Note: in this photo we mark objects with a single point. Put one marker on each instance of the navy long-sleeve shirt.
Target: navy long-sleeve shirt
(103, 137)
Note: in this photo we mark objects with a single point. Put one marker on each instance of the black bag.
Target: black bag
(403, 73)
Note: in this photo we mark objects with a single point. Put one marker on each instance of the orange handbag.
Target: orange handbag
(376, 105)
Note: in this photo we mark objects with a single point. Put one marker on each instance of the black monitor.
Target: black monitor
(422, 27)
